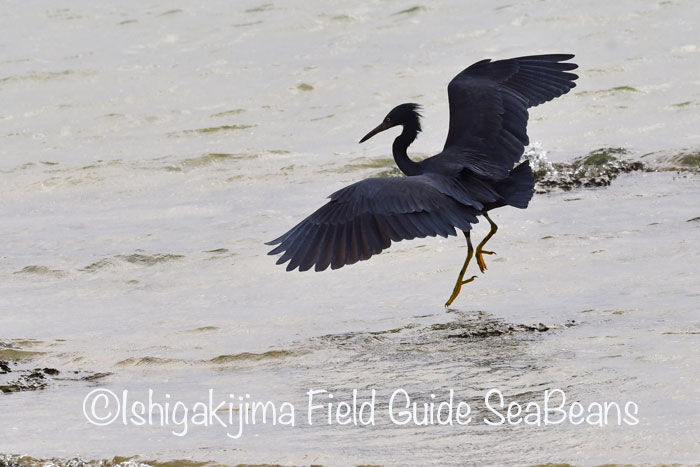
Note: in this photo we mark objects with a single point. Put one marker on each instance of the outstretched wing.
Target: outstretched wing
(488, 109)
(363, 219)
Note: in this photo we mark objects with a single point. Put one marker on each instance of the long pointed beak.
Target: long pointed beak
(383, 126)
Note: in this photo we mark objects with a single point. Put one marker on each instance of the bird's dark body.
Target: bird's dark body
(474, 173)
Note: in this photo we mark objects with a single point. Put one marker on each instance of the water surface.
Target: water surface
(148, 151)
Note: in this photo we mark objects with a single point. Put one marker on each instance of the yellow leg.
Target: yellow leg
(460, 278)
(479, 249)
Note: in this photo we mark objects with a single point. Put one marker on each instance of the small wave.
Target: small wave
(171, 12)
(215, 129)
(252, 356)
(597, 168)
(484, 329)
(17, 343)
(97, 265)
(148, 361)
(135, 258)
(341, 17)
(687, 159)
(258, 9)
(617, 90)
(685, 104)
(411, 10)
(42, 271)
(217, 251)
(13, 354)
(242, 25)
(204, 329)
(228, 113)
(149, 260)
(44, 75)
(362, 164)
(438, 337)
(208, 159)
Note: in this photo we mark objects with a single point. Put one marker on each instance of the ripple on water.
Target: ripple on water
(134, 258)
(209, 159)
(252, 356)
(217, 251)
(615, 91)
(97, 265)
(42, 271)
(685, 104)
(688, 159)
(149, 260)
(171, 12)
(412, 10)
(260, 8)
(467, 327)
(203, 329)
(362, 164)
(148, 361)
(227, 113)
(215, 129)
(44, 76)
(17, 354)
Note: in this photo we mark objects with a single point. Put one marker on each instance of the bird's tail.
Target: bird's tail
(518, 188)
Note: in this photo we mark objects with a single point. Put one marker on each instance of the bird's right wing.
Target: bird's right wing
(488, 109)
(363, 219)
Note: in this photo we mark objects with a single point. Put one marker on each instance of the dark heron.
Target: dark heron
(474, 173)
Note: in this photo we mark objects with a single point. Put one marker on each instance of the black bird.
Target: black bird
(474, 173)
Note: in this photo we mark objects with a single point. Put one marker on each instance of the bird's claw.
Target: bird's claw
(468, 280)
(457, 289)
(480, 259)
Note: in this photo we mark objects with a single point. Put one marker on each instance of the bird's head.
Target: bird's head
(407, 115)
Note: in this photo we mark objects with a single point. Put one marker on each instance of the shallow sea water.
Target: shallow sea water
(148, 151)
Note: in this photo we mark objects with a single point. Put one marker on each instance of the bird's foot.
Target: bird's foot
(457, 289)
(480, 258)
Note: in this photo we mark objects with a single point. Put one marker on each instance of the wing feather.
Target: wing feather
(352, 254)
(307, 254)
(360, 231)
(339, 247)
(364, 218)
(488, 110)
(325, 252)
(293, 243)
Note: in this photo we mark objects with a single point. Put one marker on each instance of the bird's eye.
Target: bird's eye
(387, 120)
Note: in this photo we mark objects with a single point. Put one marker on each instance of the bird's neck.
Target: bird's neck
(401, 144)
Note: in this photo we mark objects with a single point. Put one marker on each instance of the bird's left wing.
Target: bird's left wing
(489, 104)
(363, 219)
